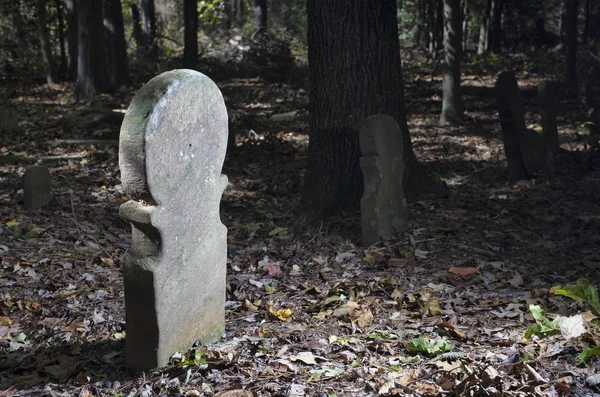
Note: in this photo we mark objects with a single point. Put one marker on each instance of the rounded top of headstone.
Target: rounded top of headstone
(174, 133)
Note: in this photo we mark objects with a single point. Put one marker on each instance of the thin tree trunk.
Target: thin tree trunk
(17, 21)
(260, 17)
(61, 38)
(431, 37)
(92, 78)
(452, 103)
(439, 24)
(571, 12)
(148, 22)
(484, 29)
(495, 35)
(116, 48)
(190, 18)
(238, 10)
(45, 47)
(71, 8)
(137, 27)
(465, 24)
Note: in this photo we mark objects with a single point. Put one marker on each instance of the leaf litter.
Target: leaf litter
(491, 291)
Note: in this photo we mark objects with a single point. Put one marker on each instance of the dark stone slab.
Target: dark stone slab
(37, 187)
(383, 204)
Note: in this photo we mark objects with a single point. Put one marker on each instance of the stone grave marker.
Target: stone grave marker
(37, 187)
(172, 147)
(525, 150)
(383, 204)
(9, 119)
(547, 92)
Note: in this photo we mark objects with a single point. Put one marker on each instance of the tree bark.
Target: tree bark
(238, 8)
(465, 24)
(190, 18)
(484, 29)
(148, 29)
(92, 78)
(495, 31)
(45, 47)
(571, 12)
(137, 27)
(61, 38)
(355, 72)
(71, 8)
(116, 48)
(452, 107)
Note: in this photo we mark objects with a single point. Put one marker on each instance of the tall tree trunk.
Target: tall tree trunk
(137, 27)
(71, 8)
(587, 10)
(61, 38)
(238, 8)
(228, 11)
(452, 103)
(421, 21)
(190, 18)
(116, 48)
(571, 11)
(465, 24)
(495, 31)
(355, 72)
(148, 22)
(260, 17)
(92, 78)
(439, 25)
(431, 26)
(45, 47)
(484, 29)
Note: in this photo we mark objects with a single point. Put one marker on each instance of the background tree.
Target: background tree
(92, 78)
(484, 28)
(495, 26)
(61, 38)
(72, 26)
(45, 47)
(190, 17)
(571, 11)
(260, 17)
(355, 72)
(116, 48)
(149, 42)
(452, 107)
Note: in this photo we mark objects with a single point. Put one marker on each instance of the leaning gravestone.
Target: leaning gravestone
(383, 205)
(37, 187)
(172, 147)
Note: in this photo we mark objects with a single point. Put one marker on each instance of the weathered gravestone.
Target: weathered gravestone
(37, 187)
(526, 151)
(172, 146)
(9, 119)
(383, 205)
(547, 92)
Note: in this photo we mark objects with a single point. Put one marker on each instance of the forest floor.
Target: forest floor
(442, 310)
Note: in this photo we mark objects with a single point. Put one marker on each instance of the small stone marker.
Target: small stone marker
(383, 205)
(9, 119)
(172, 147)
(547, 92)
(37, 187)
